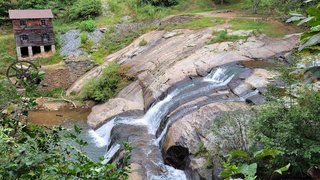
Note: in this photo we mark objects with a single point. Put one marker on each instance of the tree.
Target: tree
(255, 5)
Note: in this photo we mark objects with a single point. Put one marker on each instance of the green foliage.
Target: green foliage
(30, 151)
(85, 9)
(88, 25)
(312, 37)
(83, 38)
(8, 93)
(7, 52)
(160, 2)
(232, 130)
(292, 129)
(222, 36)
(55, 93)
(56, 58)
(143, 42)
(282, 7)
(112, 80)
(243, 164)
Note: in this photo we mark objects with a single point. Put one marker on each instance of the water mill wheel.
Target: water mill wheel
(23, 74)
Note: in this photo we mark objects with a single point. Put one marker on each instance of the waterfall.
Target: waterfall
(152, 119)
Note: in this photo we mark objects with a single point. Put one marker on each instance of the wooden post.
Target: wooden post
(30, 51)
(18, 52)
(42, 49)
(53, 49)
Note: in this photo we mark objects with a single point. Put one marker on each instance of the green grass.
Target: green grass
(257, 24)
(7, 52)
(196, 24)
(193, 6)
(56, 58)
(143, 42)
(112, 42)
(223, 36)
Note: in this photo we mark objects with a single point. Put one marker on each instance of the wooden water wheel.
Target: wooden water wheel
(23, 74)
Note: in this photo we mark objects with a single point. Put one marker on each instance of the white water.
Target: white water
(113, 150)
(152, 119)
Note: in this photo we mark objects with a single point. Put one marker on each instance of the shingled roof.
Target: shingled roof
(30, 14)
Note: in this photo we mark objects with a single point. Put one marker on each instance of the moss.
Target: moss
(222, 36)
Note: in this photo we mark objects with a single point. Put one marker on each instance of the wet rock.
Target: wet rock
(135, 173)
(257, 99)
(190, 130)
(177, 156)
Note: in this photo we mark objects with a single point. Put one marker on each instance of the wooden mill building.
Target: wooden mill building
(33, 31)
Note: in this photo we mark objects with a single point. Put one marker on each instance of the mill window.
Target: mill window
(43, 22)
(24, 37)
(45, 37)
(23, 22)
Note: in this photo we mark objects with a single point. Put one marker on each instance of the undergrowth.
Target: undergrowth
(111, 82)
(222, 36)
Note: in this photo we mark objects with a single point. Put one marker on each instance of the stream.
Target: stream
(146, 140)
(145, 134)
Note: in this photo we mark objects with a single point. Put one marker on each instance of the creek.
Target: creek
(144, 133)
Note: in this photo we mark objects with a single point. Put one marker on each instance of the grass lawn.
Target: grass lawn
(266, 27)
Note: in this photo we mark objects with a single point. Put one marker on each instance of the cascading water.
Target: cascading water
(152, 119)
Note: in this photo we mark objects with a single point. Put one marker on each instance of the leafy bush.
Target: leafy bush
(83, 38)
(312, 21)
(160, 2)
(88, 25)
(293, 129)
(112, 80)
(30, 151)
(85, 9)
(244, 164)
(143, 42)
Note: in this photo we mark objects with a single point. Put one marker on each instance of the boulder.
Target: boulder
(192, 129)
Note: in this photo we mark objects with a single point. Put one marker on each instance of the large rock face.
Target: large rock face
(170, 57)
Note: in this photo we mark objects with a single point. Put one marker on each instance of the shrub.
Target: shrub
(88, 25)
(112, 80)
(160, 2)
(83, 37)
(292, 129)
(143, 42)
(85, 9)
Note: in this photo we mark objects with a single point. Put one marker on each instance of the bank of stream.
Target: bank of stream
(68, 118)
